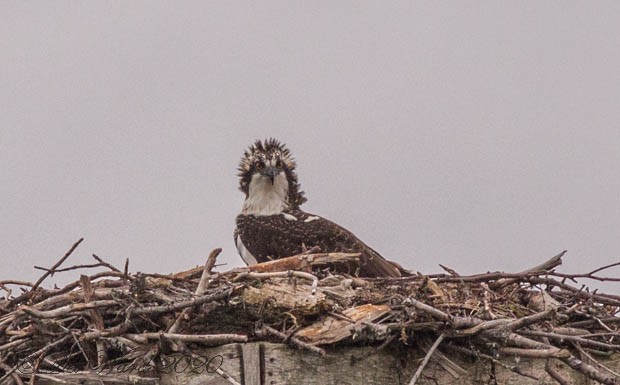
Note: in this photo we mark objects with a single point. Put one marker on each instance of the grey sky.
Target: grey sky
(473, 134)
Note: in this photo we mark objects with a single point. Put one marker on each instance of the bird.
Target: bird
(271, 224)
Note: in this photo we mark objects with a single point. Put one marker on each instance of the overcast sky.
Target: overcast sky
(479, 135)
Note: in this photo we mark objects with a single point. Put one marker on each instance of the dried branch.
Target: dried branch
(427, 357)
(106, 264)
(564, 337)
(555, 374)
(182, 305)
(53, 268)
(207, 339)
(428, 309)
(64, 310)
(268, 330)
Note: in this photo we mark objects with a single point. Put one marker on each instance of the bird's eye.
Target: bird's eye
(278, 163)
(260, 165)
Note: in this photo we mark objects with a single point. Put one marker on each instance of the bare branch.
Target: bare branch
(428, 356)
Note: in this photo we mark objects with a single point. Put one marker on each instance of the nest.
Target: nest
(309, 302)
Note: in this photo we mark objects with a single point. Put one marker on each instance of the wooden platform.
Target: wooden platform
(277, 364)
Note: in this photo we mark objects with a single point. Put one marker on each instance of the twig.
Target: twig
(12, 344)
(106, 264)
(51, 293)
(549, 264)
(428, 309)
(596, 362)
(110, 332)
(126, 269)
(450, 271)
(604, 268)
(16, 282)
(607, 299)
(75, 267)
(562, 337)
(36, 354)
(96, 321)
(508, 324)
(200, 289)
(294, 340)
(212, 259)
(207, 339)
(182, 305)
(53, 268)
(533, 353)
(555, 374)
(74, 307)
(430, 352)
(590, 371)
(14, 376)
(27, 295)
(545, 266)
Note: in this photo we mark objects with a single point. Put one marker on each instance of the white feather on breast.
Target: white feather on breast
(266, 197)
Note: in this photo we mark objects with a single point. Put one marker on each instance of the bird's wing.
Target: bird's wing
(331, 237)
(292, 232)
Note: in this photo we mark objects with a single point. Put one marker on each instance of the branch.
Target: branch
(30, 293)
(51, 271)
(200, 289)
(104, 263)
(74, 307)
(545, 266)
(430, 352)
(208, 339)
(182, 305)
(563, 337)
(555, 374)
(428, 309)
(268, 330)
(305, 262)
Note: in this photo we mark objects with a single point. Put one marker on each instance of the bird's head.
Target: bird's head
(267, 173)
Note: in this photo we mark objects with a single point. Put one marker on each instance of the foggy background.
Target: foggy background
(479, 135)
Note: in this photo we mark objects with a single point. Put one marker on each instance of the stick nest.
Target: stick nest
(309, 302)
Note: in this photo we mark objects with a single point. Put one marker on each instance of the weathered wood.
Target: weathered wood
(251, 364)
(95, 321)
(227, 358)
(207, 339)
(94, 378)
(333, 329)
(306, 262)
(285, 295)
(343, 365)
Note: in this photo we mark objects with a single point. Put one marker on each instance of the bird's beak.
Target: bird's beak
(271, 172)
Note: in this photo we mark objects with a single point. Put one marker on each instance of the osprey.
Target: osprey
(271, 224)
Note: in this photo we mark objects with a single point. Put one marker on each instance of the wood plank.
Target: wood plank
(331, 329)
(251, 364)
(346, 365)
